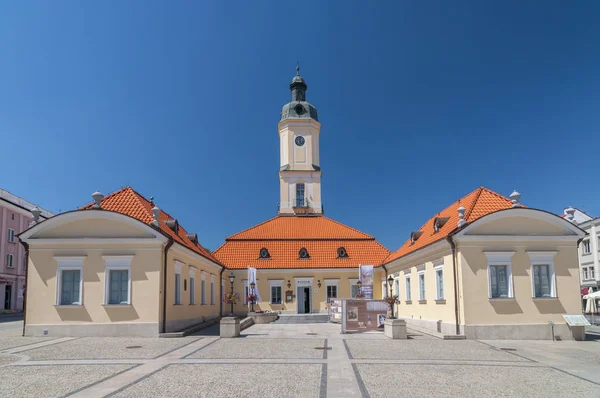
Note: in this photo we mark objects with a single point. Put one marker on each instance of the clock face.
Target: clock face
(299, 140)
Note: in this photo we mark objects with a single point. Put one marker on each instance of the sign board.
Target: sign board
(366, 278)
(335, 310)
(576, 320)
(304, 283)
(363, 315)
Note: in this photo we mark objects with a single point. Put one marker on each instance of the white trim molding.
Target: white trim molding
(178, 266)
(192, 271)
(69, 263)
(274, 283)
(500, 258)
(117, 263)
(543, 258)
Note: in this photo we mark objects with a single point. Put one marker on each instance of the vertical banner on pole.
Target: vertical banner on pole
(252, 278)
(366, 278)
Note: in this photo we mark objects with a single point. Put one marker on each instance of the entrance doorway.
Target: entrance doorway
(304, 300)
(7, 297)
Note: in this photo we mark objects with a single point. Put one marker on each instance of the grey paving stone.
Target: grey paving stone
(5, 359)
(217, 380)
(108, 348)
(7, 342)
(262, 348)
(436, 349)
(471, 381)
(52, 381)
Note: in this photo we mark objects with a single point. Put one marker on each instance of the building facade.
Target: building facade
(15, 217)
(589, 256)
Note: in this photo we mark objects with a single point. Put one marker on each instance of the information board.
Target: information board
(335, 310)
(363, 315)
(576, 320)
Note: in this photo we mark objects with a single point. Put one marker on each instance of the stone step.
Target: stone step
(189, 330)
(434, 333)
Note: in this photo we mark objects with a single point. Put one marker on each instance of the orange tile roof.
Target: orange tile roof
(478, 203)
(284, 236)
(127, 201)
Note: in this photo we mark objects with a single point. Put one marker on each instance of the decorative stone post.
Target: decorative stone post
(395, 328)
(230, 327)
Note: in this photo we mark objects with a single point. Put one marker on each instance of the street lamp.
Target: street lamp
(390, 281)
(252, 286)
(231, 279)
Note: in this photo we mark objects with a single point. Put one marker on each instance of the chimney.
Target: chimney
(156, 214)
(36, 214)
(570, 214)
(97, 199)
(461, 216)
(514, 197)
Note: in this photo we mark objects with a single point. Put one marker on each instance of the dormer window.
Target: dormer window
(303, 254)
(264, 253)
(414, 236)
(193, 238)
(342, 253)
(173, 225)
(439, 222)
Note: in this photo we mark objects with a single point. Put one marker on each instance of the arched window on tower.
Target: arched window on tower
(300, 195)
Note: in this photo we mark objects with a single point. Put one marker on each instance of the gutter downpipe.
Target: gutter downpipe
(164, 309)
(26, 246)
(454, 271)
(221, 290)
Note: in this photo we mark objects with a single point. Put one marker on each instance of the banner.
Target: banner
(366, 278)
(252, 278)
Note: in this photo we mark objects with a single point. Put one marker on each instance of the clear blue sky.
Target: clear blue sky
(420, 103)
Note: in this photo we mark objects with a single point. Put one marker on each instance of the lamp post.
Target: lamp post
(252, 286)
(231, 279)
(359, 284)
(390, 281)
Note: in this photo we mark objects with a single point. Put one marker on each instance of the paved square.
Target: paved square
(233, 380)
(8, 342)
(52, 381)
(471, 381)
(451, 350)
(108, 348)
(262, 348)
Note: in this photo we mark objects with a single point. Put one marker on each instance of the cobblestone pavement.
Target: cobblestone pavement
(294, 360)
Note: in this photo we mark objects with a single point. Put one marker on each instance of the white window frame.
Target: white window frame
(272, 284)
(11, 235)
(592, 272)
(543, 258)
(585, 275)
(332, 282)
(212, 289)
(117, 263)
(408, 287)
(11, 263)
(203, 288)
(500, 258)
(69, 263)
(583, 246)
(436, 269)
(422, 291)
(178, 267)
(192, 286)
(397, 287)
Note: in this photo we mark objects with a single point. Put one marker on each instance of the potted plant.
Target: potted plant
(360, 295)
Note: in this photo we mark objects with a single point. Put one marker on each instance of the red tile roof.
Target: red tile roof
(127, 201)
(478, 203)
(284, 236)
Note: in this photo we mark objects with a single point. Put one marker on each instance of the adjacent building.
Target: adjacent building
(589, 256)
(15, 217)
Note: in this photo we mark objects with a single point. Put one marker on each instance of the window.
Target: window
(543, 281)
(422, 285)
(117, 280)
(586, 247)
(203, 291)
(384, 289)
(192, 290)
(331, 288)
(212, 290)
(11, 235)
(408, 293)
(397, 287)
(303, 253)
(353, 291)
(499, 274)
(439, 282)
(177, 289)
(264, 253)
(69, 280)
(9, 261)
(276, 288)
(246, 291)
(585, 274)
(341, 252)
(300, 195)
(592, 276)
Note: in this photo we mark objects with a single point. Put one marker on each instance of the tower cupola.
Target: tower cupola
(298, 108)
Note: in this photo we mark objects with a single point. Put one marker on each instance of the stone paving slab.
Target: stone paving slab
(5, 359)
(241, 380)
(436, 349)
(109, 348)
(8, 342)
(262, 348)
(471, 381)
(52, 381)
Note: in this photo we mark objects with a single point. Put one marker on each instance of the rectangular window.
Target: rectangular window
(192, 290)
(408, 292)
(203, 291)
(212, 292)
(397, 287)
(542, 282)
(275, 294)
(70, 287)
(11, 235)
(353, 291)
(422, 286)
(9, 261)
(300, 195)
(499, 281)
(586, 247)
(585, 274)
(384, 289)
(331, 292)
(118, 290)
(592, 276)
(177, 289)
(439, 276)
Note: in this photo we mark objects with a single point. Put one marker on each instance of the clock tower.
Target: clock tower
(299, 168)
